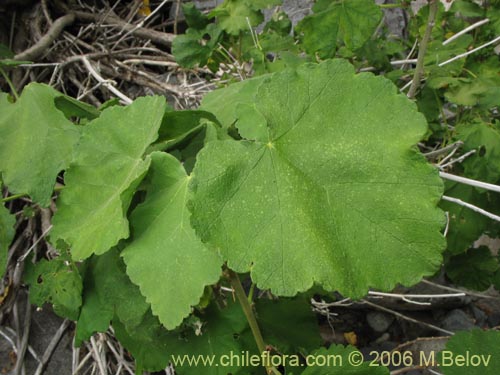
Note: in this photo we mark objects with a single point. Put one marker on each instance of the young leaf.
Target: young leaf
(110, 163)
(234, 16)
(7, 222)
(165, 250)
(351, 21)
(479, 347)
(335, 193)
(36, 142)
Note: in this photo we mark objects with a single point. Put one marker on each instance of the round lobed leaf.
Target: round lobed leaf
(334, 192)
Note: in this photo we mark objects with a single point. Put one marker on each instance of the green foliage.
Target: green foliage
(58, 282)
(473, 269)
(108, 166)
(108, 293)
(305, 174)
(36, 142)
(301, 202)
(352, 22)
(483, 345)
(164, 240)
(7, 222)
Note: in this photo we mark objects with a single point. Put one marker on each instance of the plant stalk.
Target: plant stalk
(9, 82)
(249, 314)
(419, 70)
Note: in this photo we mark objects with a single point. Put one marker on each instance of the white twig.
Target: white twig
(23, 257)
(468, 181)
(457, 160)
(397, 295)
(497, 39)
(106, 83)
(466, 30)
(97, 357)
(404, 62)
(444, 150)
(471, 207)
(445, 233)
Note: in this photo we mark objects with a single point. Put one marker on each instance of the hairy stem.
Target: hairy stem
(249, 314)
(419, 70)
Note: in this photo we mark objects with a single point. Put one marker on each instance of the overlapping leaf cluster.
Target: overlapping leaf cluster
(306, 175)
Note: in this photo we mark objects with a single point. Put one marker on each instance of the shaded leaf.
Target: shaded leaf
(289, 325)
(109, 165)
(474, 269)
(109, 292)
(333, 194)
(351, 21)
(153, 347)
(7, 222)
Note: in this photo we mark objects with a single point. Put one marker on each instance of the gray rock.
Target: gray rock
(379, 321)
(457, 320)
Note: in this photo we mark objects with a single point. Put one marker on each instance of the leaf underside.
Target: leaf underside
(333, 191)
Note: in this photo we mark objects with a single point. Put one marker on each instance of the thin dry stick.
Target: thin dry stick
(465, 31)
(469, 181)
(471, 207)
(399, 315)
(40, 47)
(21, 351)
(419, 70)
(105, 82)
(496, 40)
(469, 293)
(52, 347)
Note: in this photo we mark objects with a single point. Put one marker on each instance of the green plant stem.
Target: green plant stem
(419, 70)
(389, 6)
(22, 195)
(249, 314)
(9, 82)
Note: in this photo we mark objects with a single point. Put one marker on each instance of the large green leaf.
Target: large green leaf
(351, 21)
(334, 193)
(165, 247)
(7, 222)
(109, 164)
(36, 142)
(471, 353)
